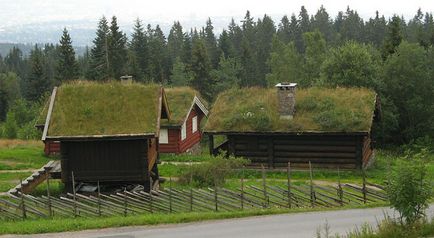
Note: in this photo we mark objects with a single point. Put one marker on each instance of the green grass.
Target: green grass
(317, 110)
(91, 108)
(22, 156)
(10, 180)
(180, 100)
(185, 158)
(77, 224)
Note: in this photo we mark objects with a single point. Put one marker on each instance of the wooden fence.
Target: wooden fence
(178, 200)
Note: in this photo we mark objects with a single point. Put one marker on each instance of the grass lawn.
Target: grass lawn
(11, 179)
(18, 155)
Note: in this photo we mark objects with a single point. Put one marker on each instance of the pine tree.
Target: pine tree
(180, 76)
(67, 67)
(248, 65)
(375, 30)
(322, 22)
(227, 75)
(264, 36)
(175, 42)
(117, 50)
(159, 68)
(235, 35)
(139, 51)
(284, 30)
(99, 56)
(393, 37)
(225, 45)
(315, 54)
(36, 84)
(201, 68)
(352, 26)
(211, 43)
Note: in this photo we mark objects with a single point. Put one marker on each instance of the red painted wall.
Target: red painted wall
(52, 147)
(176, 145)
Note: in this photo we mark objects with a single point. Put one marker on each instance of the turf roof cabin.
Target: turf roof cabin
(108, 132)
(329, 127)
(183, 132)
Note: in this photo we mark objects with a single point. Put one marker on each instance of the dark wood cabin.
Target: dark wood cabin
(330, 128)
(108, 132)
(183, 132)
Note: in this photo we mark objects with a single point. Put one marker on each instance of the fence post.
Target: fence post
(73, 191)
(99, 199)
(170, 194)
(242, 189)
(23, 206)
(125, 202)
(312, 192)
(264, 185)
(216, 198)
(151, 206)
(364, 185)
(289, 185)
(191, 186)
(48, 195)
(340, 191)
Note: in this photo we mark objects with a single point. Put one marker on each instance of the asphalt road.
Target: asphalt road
(298, 225)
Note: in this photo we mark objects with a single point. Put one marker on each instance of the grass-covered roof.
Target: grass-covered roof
(180, 100)
(317, 110)
(86, 108)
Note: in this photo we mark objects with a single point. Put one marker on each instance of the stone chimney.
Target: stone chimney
(126, 79)
(286, 99)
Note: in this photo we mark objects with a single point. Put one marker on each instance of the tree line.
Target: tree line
(392, 56)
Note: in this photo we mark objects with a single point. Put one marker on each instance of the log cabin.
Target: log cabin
(329, 127)
(107, 132)
(183, 132)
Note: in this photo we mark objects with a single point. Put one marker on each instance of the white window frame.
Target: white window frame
(184, 131)
(194, 124)
(164, 136)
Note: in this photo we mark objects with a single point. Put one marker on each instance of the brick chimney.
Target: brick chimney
(286, 99)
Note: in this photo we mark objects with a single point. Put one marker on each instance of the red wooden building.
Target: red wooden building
(183, 131)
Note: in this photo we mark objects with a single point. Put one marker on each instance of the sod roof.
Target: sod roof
(180, 100)
(317, 110)
(95, 109)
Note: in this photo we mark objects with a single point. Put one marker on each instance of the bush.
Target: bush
(409, 188)
(212, 172)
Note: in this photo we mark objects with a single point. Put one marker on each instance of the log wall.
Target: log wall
(273, 151)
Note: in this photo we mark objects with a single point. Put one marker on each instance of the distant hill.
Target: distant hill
(26, 48)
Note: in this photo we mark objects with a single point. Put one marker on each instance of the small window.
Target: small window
(194, 124)
(164, 137)
(183, 131)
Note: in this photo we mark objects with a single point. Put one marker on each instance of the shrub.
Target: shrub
(409, 188)
(212, 172)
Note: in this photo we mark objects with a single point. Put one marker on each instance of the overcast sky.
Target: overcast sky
(18, 12)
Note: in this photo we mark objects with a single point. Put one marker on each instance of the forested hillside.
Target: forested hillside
(393, 56)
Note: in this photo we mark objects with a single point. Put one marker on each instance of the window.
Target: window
(194, 126)
(164, 137)
(183, 132)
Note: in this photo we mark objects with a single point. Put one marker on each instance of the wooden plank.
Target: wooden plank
(50, 109)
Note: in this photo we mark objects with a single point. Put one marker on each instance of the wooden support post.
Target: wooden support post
(289, 185)
(312, 192)
(50, 213)
(340, 191)
(170, 194)
(125, 202)
(242, 189)
(23, 206)
(264, 186)
(73, 191)
(211, 144)
(99, 199)
(364, 185)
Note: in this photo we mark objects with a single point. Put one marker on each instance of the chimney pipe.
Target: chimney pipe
(126, 79)
(286, 99)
